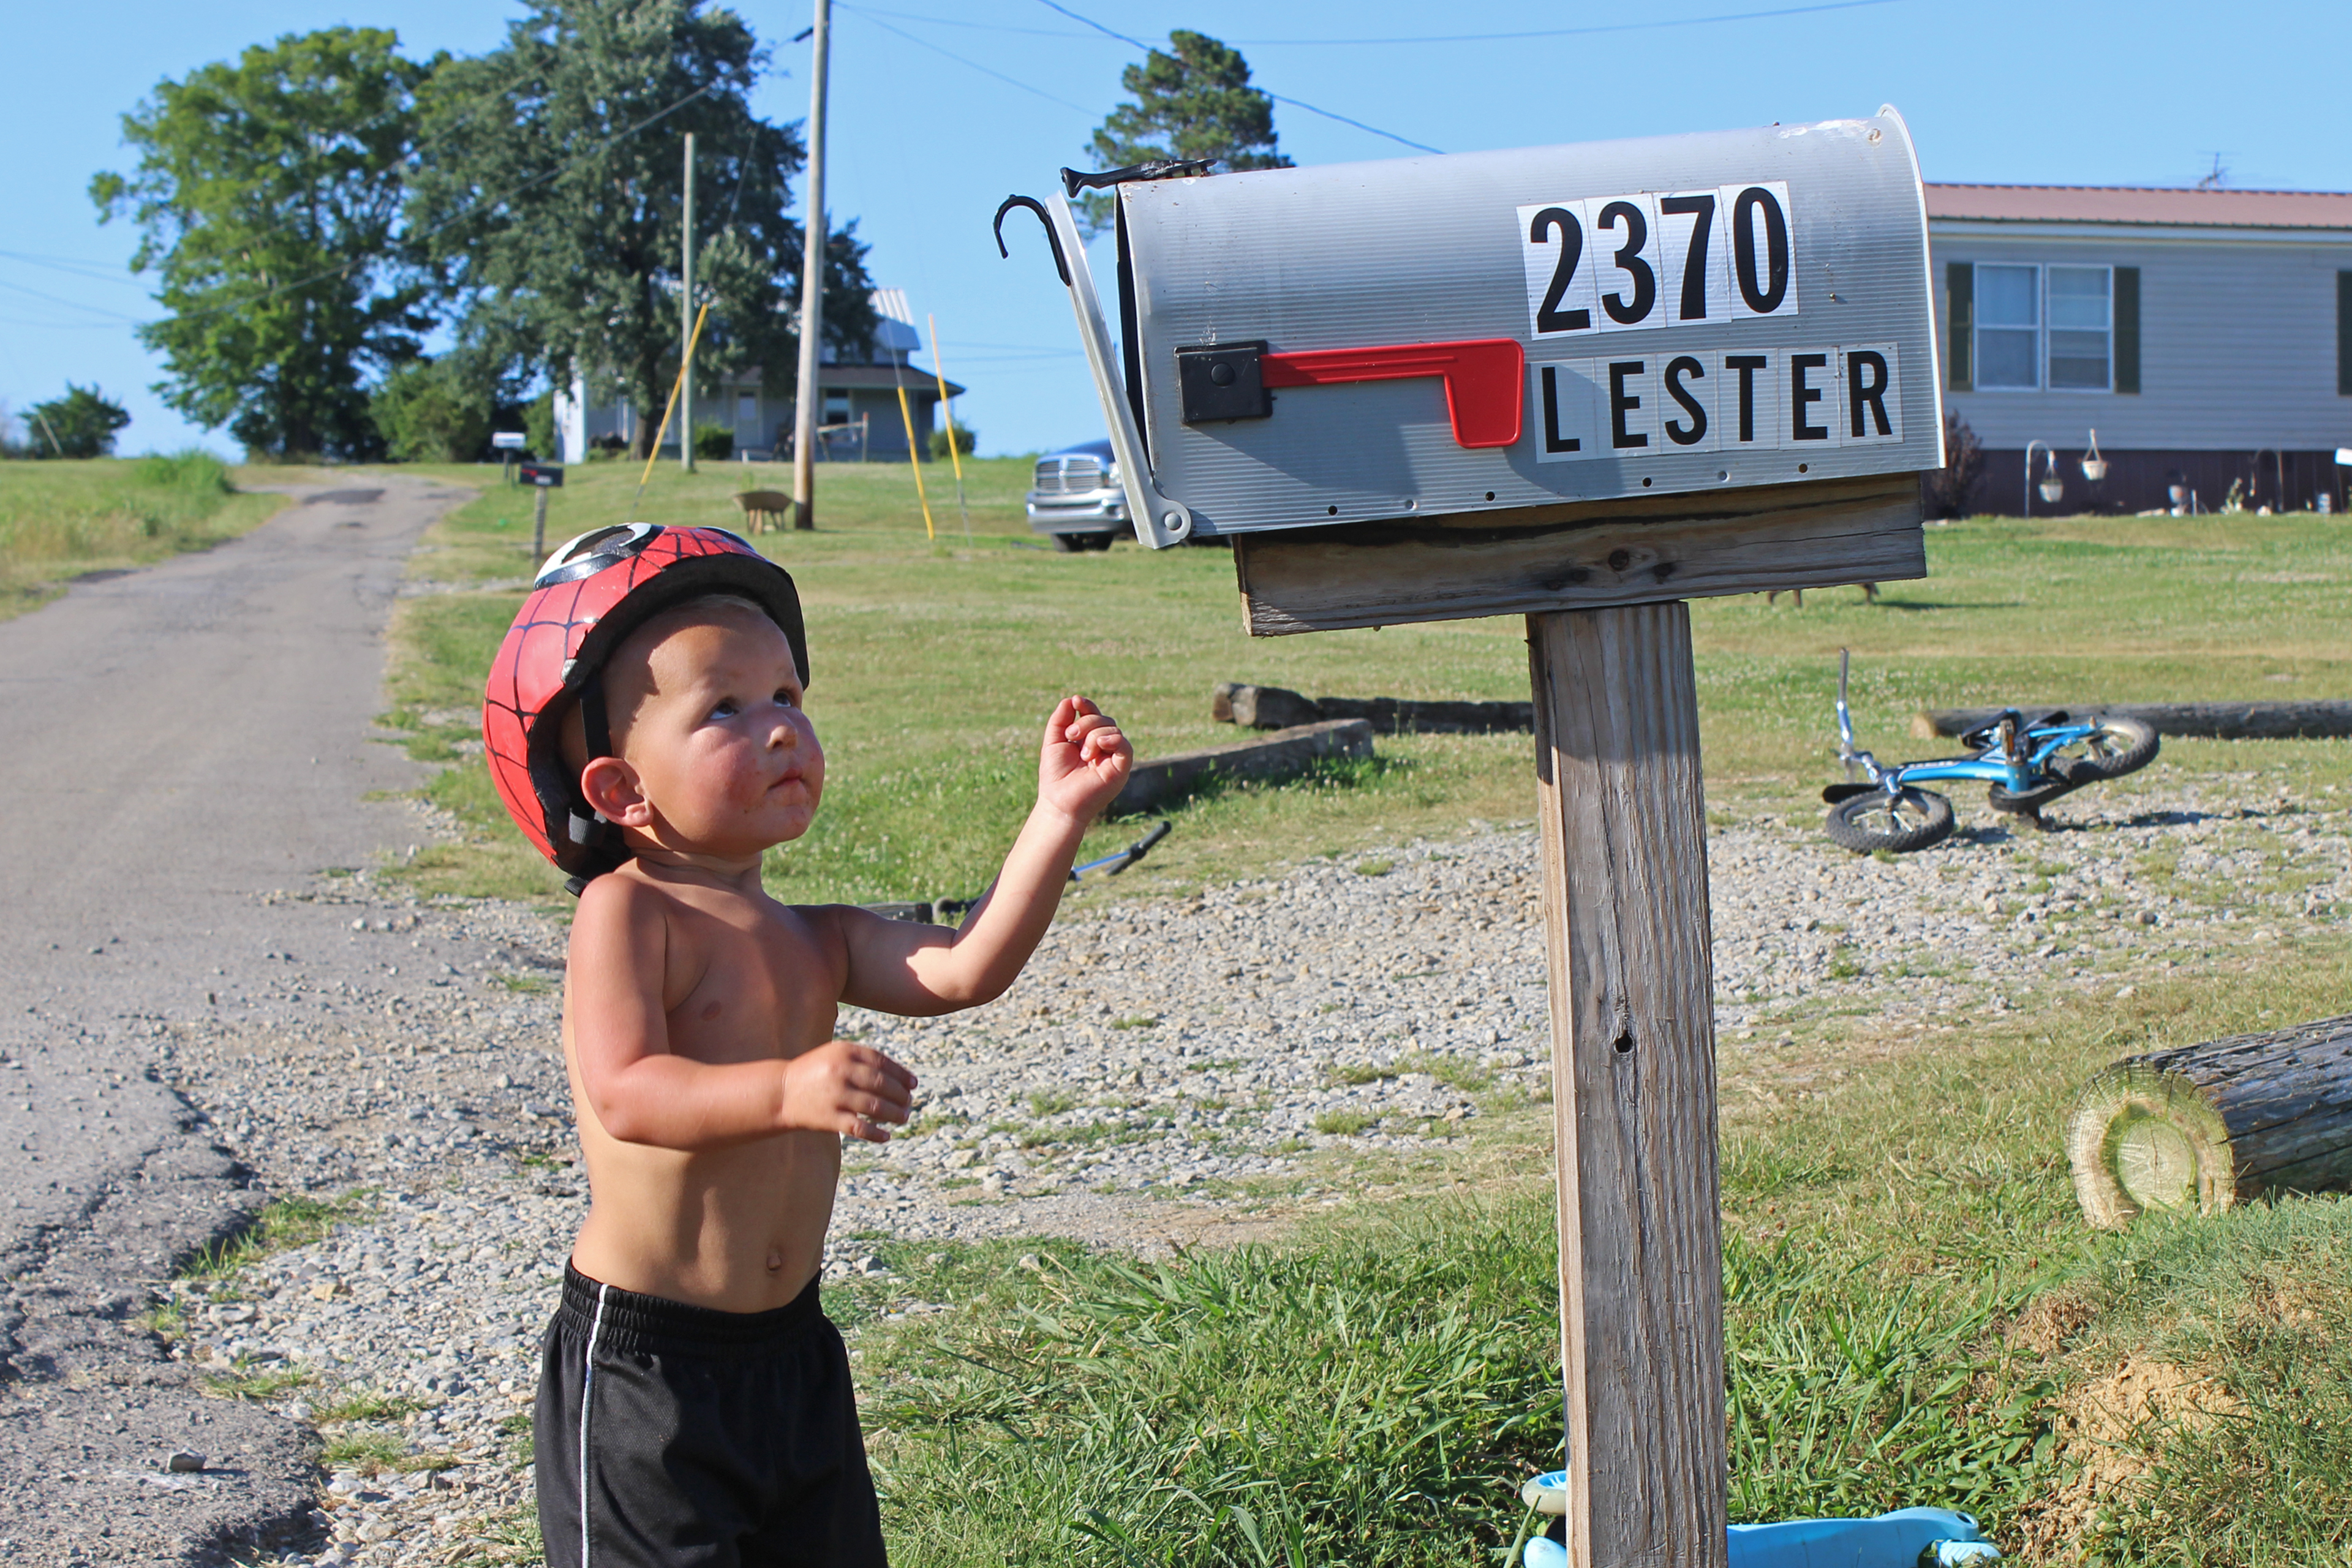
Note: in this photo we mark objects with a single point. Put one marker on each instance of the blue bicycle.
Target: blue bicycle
(2026, 764)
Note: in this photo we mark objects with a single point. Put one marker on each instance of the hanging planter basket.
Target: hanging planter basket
(2094, 467)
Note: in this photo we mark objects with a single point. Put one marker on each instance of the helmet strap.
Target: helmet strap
(594, 830)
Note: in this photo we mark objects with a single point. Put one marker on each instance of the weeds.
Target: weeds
(284, 1224)
(257, 1385)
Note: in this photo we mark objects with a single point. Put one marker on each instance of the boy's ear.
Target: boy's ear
(611, 785)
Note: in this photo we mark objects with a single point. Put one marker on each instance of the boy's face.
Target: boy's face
(717, 738)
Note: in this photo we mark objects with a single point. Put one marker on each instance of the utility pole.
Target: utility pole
(685, 324)
(812, 238)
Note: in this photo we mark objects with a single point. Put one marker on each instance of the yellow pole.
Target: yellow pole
(915, 460)
(671, 407)
(955, 447)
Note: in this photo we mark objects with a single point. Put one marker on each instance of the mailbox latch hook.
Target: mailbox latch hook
(1061, 264)
(1072, 182)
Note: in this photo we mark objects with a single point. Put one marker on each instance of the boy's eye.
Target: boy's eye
(725, 710)
(785, 698)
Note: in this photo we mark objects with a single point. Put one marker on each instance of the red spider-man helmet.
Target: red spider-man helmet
(593, 593)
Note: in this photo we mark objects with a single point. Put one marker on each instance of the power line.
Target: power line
(70, 305)
(1406, 141)
(974, 65)
(1295, 103)
(1419, 38)
(1579, 32)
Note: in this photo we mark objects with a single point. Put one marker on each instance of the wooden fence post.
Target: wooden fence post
(1624, 827)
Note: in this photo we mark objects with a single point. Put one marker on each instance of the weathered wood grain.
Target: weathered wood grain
(1641, 550)
(1626, 931)
(2315, 721)
(1156, 781)
(2216, 1123)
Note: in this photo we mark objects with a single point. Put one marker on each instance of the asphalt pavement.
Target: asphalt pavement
(177, 747)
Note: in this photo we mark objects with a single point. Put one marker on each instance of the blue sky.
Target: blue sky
(941, 108)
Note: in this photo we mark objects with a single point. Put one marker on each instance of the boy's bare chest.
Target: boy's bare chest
(746, 987)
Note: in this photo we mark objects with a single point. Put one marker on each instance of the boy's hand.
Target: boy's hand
(847, 1088)
(1086, 760)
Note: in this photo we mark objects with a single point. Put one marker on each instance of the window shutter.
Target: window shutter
(2127, 302)
(2344, 334)
(1960, 322)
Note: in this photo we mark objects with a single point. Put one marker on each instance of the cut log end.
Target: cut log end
(2143, 1138)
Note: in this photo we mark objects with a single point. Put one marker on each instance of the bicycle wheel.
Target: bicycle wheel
(2117, 746)
(1910, 819)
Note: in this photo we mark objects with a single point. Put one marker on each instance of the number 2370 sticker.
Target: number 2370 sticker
(1662, 258)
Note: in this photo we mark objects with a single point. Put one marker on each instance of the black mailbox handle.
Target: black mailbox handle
(1061, 265)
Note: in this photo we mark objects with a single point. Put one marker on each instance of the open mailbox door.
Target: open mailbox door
(1493, 333)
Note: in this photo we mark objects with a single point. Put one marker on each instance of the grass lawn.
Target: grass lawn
(60, 520)
(1916, 1312)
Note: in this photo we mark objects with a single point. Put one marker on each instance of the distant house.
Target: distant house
(2205, 334)
(859, 419)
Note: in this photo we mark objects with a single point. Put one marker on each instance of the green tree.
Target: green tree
(555, 224)
(267, 196)
(81, 424)
(1196, 103)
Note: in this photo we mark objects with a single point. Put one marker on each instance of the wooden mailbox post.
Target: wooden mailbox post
(1461, 431)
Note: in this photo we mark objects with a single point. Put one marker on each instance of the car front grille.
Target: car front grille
(1068, 476)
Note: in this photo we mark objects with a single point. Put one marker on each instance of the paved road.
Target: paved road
(175, 743)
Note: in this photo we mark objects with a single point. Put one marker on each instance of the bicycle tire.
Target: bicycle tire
(2119, 745)
(1868, 823)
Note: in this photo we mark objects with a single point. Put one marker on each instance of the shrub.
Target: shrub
(1950, 487)
(193, 470)
(81, 424)
(429, 412)
(715, 442)
(539, 427)
(965, 441)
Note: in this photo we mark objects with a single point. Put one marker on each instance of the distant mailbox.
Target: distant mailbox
(1493, 332)
(546, 476)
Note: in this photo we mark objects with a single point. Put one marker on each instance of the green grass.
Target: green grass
(935, 662)
(59, 521)
(281, 1224)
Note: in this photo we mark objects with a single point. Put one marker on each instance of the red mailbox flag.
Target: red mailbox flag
(1484, 377)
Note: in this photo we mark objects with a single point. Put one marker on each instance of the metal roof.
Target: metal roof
(2141, 204)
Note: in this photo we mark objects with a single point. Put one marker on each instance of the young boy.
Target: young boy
(695, 1405)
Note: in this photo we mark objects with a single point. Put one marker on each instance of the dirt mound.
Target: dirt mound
(2106, 1428)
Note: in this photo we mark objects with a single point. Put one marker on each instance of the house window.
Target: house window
(2008, 326)
(2050, 327)
(836, 409)
(2081, 328)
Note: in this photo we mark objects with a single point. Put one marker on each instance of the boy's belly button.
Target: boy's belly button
(775, 1260)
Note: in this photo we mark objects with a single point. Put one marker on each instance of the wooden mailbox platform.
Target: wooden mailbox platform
(1627, 935)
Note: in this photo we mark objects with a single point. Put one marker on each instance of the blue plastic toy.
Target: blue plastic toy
(1907, 1538)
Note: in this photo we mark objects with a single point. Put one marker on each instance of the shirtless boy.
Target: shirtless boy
(645, 725)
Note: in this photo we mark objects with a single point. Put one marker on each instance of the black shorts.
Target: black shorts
(698, 1437)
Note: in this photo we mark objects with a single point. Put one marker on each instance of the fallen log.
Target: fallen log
(2315, 720)
(1278, 708)
(1159, 781)
(2216, 1124)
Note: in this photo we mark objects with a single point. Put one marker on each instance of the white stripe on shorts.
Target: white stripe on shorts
(587, 1379)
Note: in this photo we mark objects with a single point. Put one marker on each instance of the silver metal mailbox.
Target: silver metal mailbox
(1496, 331)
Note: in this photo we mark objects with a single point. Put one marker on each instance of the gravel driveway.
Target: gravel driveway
(1165, 1073)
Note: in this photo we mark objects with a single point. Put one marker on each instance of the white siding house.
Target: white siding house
(2205, 334)
(859, 419)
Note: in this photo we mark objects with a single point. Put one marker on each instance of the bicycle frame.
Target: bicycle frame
(2016, 756)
